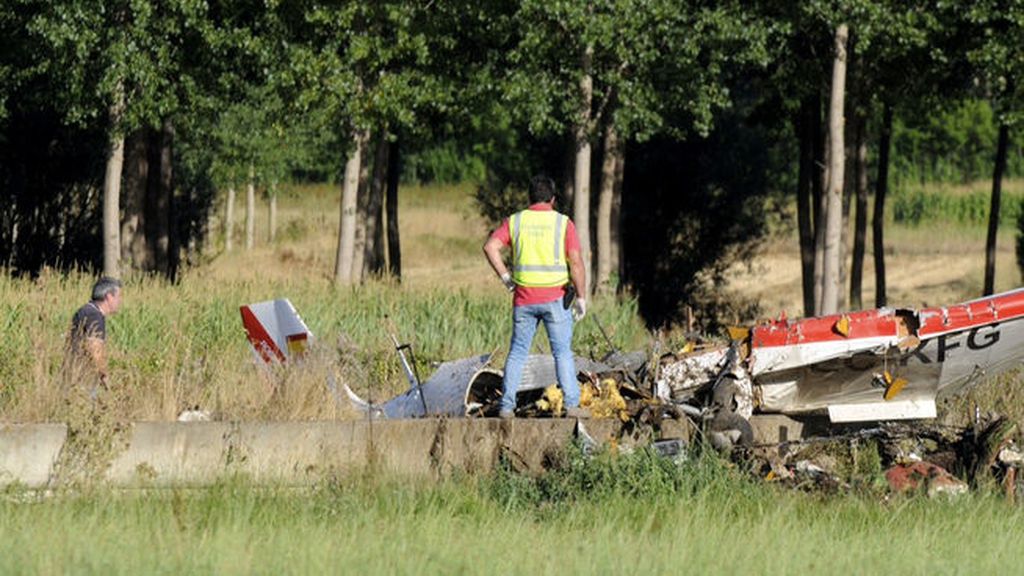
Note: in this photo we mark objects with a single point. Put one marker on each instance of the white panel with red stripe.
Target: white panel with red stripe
(275, 330)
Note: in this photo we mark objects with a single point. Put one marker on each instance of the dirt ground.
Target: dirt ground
(442, 236)
(924, 267)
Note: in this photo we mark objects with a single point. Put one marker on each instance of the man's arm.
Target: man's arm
(97, 350)
(577, 273)
(492, 248)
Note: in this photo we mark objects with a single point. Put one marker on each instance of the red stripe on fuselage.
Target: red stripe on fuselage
(258, 336)
(863, 324)
(944, 319)
(934, 321)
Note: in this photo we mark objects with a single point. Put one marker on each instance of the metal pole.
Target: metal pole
(410, 374)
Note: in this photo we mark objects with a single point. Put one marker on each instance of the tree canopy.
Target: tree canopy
(714, 100)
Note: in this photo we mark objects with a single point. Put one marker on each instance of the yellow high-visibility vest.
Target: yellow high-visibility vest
(538, 248)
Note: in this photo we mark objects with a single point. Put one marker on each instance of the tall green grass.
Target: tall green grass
(633, 514)
(913, 205)
(178, 346)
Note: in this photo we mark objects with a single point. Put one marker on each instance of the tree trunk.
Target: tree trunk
(854, 73)
(818, 185)
(112, 194)
(135, 250)
(250, 209)
(993, 214)
(272, 217)
(173, 248)
(569, 173)
(375, 208)
(229, 218)
(349, 203)
(810, 110)
(860, 179)
(394, 253)
(362, 214)
(581, 185)
(878, 217)
(616, 227)
(834, 207)
(604, 210)
(157, 201)
(197, 231)
(844, 234)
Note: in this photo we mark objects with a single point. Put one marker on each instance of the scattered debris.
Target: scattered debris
(934, 479)
(860, 385)
(194, 415)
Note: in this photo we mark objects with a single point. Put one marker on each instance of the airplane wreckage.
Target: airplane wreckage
(847, 370)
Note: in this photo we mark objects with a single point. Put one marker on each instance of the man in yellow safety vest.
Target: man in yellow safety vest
(545, 260)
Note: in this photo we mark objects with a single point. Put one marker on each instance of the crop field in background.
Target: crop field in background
(175, 347)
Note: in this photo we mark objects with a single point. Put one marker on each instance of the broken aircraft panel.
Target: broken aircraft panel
(871, 365)
(467, 387)
(275, 330)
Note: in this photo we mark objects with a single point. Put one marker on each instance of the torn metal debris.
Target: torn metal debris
(471, 387)
(827, 376)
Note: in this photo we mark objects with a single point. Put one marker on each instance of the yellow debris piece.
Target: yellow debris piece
(552, 400)
(604, 402)
(587, 394)
(739, 333)
(894, 387)
(842, 325)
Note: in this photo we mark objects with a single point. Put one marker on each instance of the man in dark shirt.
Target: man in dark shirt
(89, 325)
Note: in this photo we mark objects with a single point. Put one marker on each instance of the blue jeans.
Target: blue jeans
(558, 323)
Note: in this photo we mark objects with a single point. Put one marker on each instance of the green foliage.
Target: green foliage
(368, 524)
(190, 338)
(607, 477)
(916, 205)
(703, 209)
(998, 34)
(954, 143)
(444, 163)
(662, 65)
(361, 64)
(483, 92)
(144, 57)
(1020, 242)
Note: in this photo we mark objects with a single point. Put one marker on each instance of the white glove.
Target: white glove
(506, 278)
(579, 309)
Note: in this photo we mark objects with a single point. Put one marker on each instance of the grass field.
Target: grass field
(629, 515)
(181, 346)
(175, 347)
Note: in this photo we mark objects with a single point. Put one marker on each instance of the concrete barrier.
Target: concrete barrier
(165, 454)
(172, 454)
(29, 452)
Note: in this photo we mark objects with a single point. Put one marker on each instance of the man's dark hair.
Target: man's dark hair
(542, 189)
(104, 286)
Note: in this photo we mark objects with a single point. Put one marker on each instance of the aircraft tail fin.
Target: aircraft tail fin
(275, 330)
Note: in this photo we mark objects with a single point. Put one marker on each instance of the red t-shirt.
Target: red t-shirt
(525, 295)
